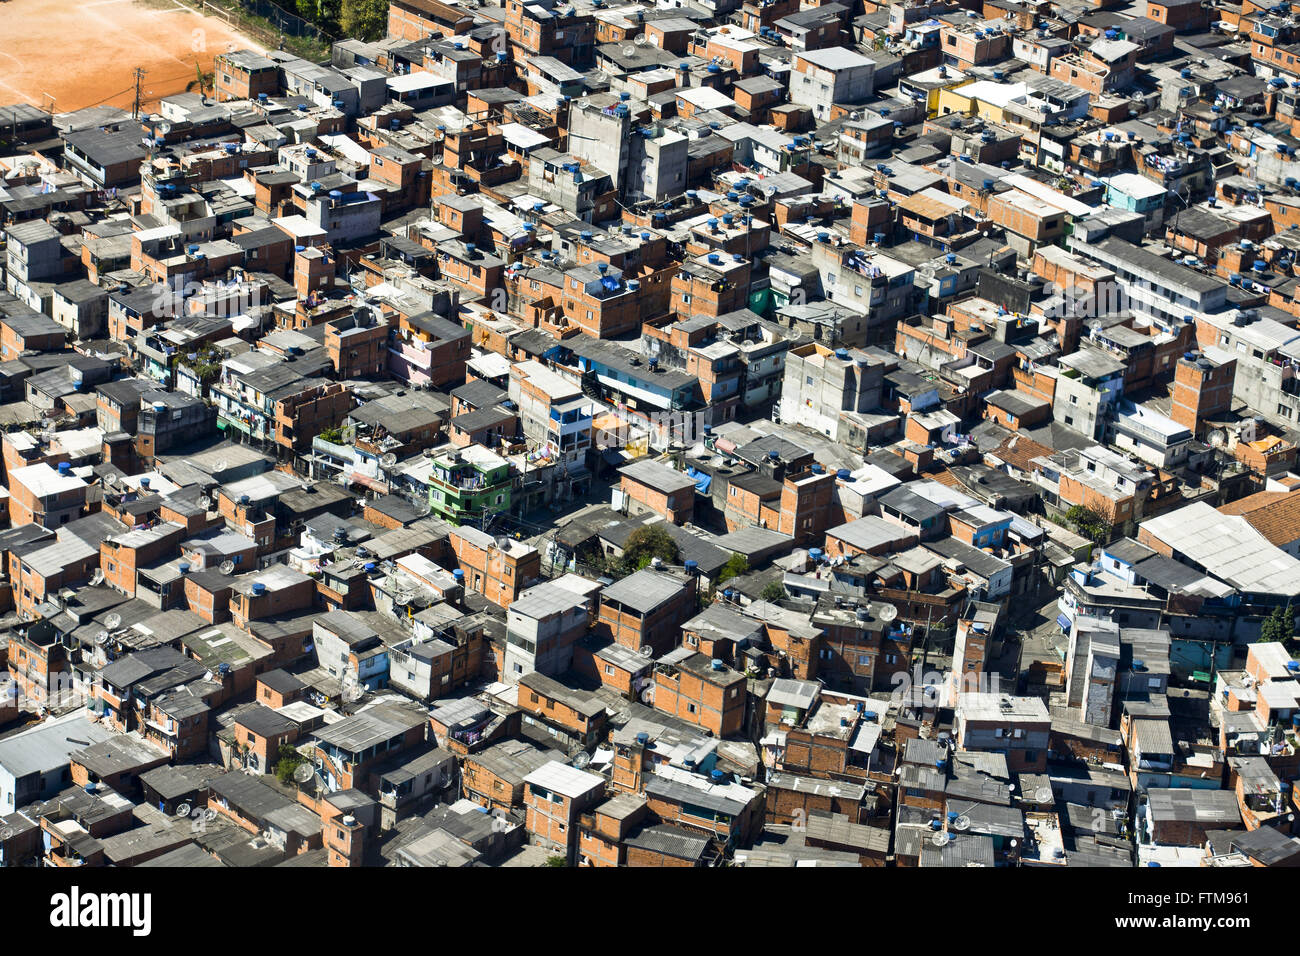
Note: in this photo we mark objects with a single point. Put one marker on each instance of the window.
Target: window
(690, 708)
(609, 670)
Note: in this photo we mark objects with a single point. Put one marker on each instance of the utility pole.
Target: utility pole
(135, 106)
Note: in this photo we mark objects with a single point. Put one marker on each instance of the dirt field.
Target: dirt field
(83, 53)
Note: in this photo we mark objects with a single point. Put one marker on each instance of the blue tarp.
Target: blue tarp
(701, 479)
(1064, 622)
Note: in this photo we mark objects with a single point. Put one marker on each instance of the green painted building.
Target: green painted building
(467, 483)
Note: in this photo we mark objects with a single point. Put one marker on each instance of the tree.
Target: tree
(645, 544)
(363, 19)
(773, 591)
(736, 565)
(556, 861)
(1279, 625)
(1090, 524)
(290, 760)
(202, 82)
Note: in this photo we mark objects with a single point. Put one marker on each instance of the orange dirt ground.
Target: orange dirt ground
(84, 53)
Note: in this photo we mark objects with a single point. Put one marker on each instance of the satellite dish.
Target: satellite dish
(113, 621)
(101, 638)
(222, 465)
(183, 810)
(645, 650)
(940, 839)
(1043, 794)
(388, 460)
(111, 479)
(888, 613)
(1216, 438)
(352, 693)
(209, 814)
(97, 578)
(581, 760)
(961, 824)
(304, 772)
(227, 567)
